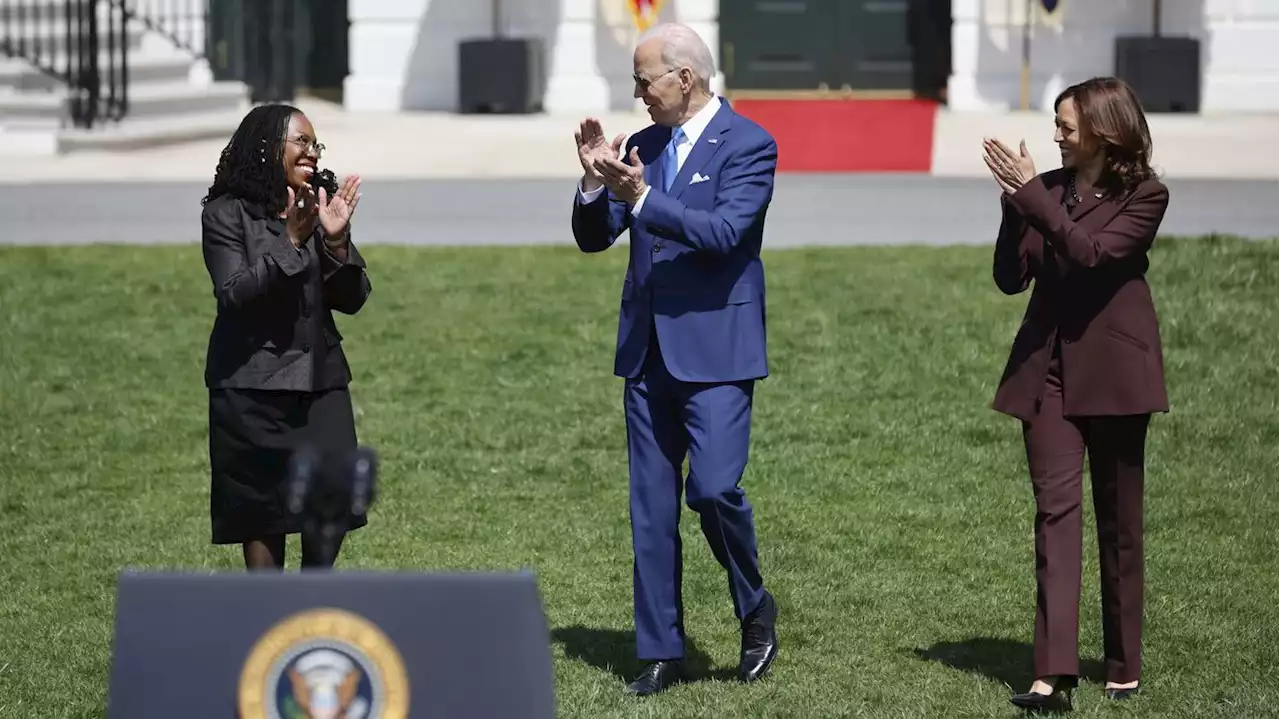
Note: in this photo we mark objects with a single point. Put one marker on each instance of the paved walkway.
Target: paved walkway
(383, 146)
(411, 146)
(807, 210)
(439, 178)
(1237, 146)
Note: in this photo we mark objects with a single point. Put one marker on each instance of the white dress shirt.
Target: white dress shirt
(693, 129)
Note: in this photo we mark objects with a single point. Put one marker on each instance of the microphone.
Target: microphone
(327, 180)
(364, 476)
(327, 490)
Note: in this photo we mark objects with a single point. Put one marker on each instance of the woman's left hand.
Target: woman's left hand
(1011, 170)
(335, 212)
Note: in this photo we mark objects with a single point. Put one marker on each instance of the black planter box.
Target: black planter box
(501, 75)
(1164, 71)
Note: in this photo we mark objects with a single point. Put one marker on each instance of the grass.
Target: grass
(893, 506)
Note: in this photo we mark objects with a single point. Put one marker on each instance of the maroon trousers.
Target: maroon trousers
(1056, 448)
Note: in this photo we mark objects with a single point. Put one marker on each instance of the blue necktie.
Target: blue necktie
(670, 162)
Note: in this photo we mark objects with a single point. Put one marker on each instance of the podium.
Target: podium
(345, 645)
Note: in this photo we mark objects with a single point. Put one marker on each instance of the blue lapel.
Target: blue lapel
(707, 146)
(653, 165)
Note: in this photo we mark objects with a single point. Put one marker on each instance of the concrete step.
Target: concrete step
(28, 137)
(136, 133)
(146, 67)
(145, 100)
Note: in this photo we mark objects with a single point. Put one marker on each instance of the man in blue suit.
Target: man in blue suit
(693, 190)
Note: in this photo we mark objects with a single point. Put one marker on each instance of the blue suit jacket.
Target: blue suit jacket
(695, 275)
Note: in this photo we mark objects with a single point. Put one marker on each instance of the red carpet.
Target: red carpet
(847, 135)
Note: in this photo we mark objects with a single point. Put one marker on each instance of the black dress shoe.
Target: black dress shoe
(759, 640)
(1057, 701)
(1121, 693)
(655, 677)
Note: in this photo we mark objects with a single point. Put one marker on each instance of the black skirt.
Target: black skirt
(252, 435)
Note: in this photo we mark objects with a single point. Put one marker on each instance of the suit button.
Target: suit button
(657, 248)
(306, 347)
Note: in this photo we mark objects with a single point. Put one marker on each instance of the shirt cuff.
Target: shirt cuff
(635, 210)
(587, 198)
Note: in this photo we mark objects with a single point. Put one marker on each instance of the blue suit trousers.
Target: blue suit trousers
(710, 423)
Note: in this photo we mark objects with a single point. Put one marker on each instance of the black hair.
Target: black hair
(251, 166)
(1110, 114)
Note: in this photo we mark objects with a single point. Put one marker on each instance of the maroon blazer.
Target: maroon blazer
(1089, 265)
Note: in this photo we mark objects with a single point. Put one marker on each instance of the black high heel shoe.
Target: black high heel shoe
(1058, 700)
(1121, 693)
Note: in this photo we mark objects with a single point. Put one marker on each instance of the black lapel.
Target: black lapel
(273, 222)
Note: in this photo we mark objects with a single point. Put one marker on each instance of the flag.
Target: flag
(644, 12)
(1051, 12)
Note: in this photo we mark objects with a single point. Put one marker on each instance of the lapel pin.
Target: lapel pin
(712, 140)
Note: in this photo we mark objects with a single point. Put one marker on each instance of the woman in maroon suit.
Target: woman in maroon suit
(1086, 370)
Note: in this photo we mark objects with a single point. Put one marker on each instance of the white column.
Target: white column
(986, 42)
(966, 25)
(575, 83)
(404, 53)
(704, 17)
(1237, 52)
(200, 73)
(700, 15)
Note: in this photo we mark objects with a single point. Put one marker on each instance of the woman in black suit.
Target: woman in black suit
(281, 258)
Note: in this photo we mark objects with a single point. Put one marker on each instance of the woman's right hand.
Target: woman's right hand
(301, 217)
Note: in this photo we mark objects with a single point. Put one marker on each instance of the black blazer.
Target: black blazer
(274, 329)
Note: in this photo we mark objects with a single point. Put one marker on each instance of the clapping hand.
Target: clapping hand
(300, 216)
(1010, 170)
(592, 148)
(335, 213)
(625, 179)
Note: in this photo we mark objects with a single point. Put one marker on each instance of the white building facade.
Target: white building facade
(1239, 49)
(403, 53)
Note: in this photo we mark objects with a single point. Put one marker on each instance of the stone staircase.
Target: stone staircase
(172, 99)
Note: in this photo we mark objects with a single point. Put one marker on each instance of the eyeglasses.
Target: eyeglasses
(644, 83)
(308, 144)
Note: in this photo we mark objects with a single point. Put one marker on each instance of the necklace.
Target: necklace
(1075, 195)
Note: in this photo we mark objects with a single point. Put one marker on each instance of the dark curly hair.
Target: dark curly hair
(1110, 115)
(251, 166)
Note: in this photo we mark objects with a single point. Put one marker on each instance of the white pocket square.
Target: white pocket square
(698, 177)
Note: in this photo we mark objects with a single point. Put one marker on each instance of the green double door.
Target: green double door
(816, 46)
(280, 48)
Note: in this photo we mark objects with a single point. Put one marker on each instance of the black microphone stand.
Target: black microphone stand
(327, 492)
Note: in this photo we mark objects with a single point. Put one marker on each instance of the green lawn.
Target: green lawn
(893, 506)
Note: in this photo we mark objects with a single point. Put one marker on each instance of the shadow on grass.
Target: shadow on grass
(1007, 661)
(614, 651)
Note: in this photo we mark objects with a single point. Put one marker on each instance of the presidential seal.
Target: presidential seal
(324, 664)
